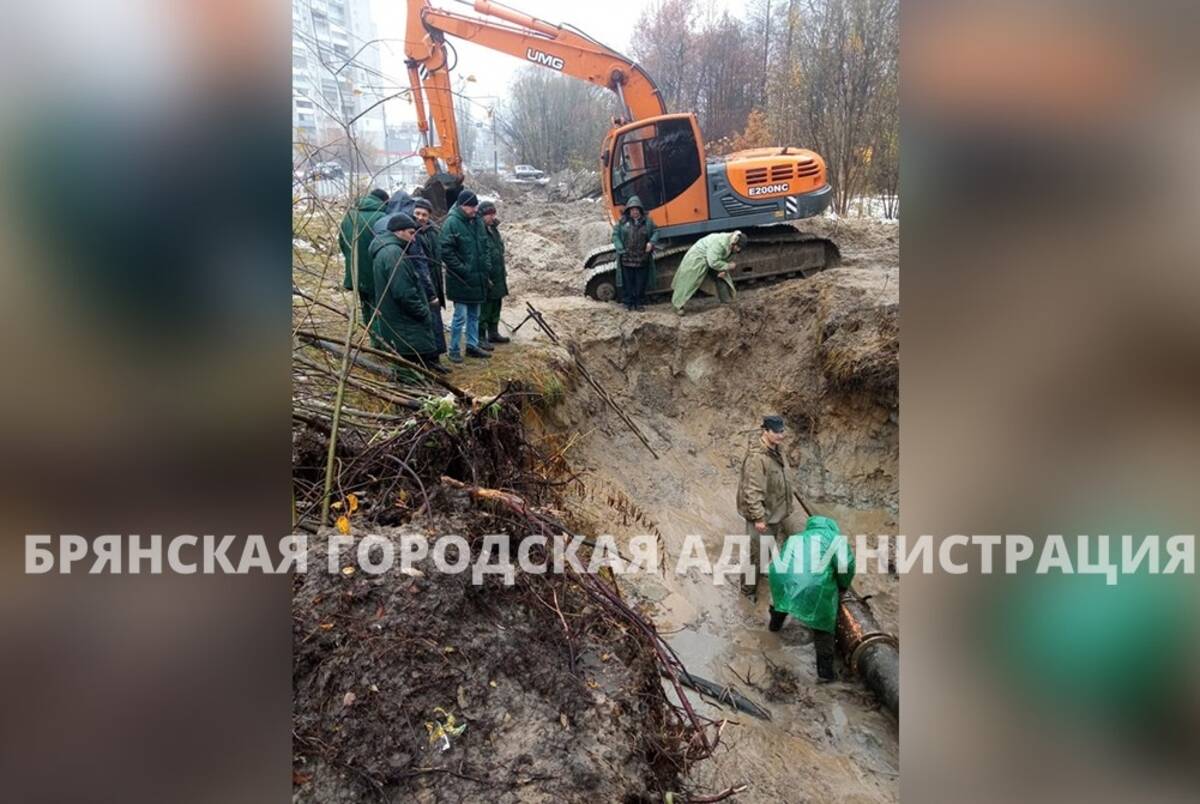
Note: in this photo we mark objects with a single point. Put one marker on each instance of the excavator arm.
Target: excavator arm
(555, 47)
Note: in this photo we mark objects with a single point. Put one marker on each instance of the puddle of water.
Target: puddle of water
(827, 742)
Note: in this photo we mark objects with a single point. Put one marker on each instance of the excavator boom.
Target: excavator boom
(500, 28)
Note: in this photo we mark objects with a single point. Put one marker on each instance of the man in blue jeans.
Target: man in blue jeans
(467, 256)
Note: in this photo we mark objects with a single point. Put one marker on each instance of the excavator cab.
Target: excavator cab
(660, 160)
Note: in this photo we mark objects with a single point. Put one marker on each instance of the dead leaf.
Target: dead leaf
(347, 571)
(343, 524)
(349, 698)
(336, 505)
(563, 720)
(326, 626)
(352, 503)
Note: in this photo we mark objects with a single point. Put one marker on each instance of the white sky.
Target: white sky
(609, 21)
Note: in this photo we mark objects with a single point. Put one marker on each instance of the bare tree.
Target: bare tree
(664, 44)
(467, 132)
(555, 122)
(834, 85)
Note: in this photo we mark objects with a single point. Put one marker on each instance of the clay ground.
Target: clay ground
(822, 352)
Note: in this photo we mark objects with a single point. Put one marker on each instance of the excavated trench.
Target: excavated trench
(824, 354)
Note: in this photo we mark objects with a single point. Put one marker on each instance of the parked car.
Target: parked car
(326, 170)
(527, 173)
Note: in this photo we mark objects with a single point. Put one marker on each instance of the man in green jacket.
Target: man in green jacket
(354, 239)
(807, 581)
(489, 315)
(467, 256)
(403, 319)
(427, 235)
(764, 496)
(707, 261)
(634, 238)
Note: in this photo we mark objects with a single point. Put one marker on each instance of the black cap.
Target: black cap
(380, 194)
(486, 207)
(401, 221)
(467, 199)
(421, 203)
(773, 423)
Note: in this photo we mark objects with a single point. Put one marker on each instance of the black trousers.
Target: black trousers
(824, 645)
(634, 278)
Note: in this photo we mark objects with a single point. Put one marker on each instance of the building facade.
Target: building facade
(327, 92)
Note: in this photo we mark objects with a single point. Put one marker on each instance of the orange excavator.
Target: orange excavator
(648, 152)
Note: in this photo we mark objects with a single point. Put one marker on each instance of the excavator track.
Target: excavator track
(773, 254)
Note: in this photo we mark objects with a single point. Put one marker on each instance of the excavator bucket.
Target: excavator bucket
(441, 190)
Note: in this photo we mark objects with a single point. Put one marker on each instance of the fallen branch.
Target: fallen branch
(368, 388)
(361, 362)
(670, 665)
(592, 381)
(395, 358)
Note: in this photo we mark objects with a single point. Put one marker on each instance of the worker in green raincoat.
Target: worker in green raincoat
(633, 239)
(807, 579)
(707, 264)
(403, 319)
(355, 237)
(489, 312)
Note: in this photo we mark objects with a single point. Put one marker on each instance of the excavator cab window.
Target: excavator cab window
(655, 162)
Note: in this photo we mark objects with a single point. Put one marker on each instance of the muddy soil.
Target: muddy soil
(823, 353)
(375, 656)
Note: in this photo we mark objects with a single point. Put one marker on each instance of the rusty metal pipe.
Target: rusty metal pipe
(869, 651)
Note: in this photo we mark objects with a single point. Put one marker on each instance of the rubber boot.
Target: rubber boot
(777, 618)
(494, 336)
(825, 645)
(473, 352)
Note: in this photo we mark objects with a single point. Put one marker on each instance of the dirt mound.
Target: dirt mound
(545, 243)
(430, 686)
(377, 656)
(824, 353)
(571, 185)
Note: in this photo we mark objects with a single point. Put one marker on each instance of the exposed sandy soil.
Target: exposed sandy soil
(824, 353)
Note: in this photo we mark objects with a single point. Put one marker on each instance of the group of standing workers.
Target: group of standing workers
(408, 268)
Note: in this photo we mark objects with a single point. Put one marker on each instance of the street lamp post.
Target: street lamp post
(495, 152)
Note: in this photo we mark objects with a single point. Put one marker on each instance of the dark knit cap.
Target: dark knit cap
(422, 203)
(400, 221)
(380, 194)
(486, 207)
(773, 423)
(467, 199)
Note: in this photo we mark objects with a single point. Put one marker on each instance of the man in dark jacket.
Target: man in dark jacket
(465, 252)
(427, 235)
(355, 238)
(634, 238)
(489, 316)
(403, 319)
